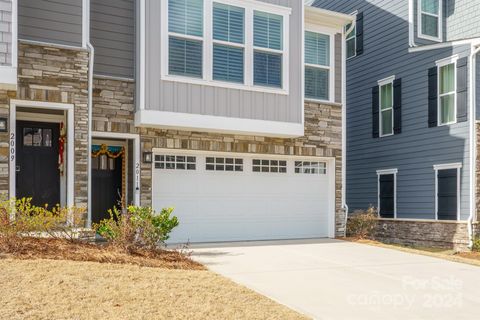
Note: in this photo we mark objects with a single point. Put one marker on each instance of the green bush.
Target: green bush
(476, 244)
(137, 227)
(19, 218)
(361, 224)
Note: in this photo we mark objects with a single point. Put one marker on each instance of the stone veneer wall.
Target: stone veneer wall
(424, 233)
(54, 74)
(113, 111)
(4, 142)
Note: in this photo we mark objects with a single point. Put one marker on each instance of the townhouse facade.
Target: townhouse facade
(412, 117)
(230, 111)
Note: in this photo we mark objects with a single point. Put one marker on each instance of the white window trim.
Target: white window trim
(448, 166)
(207, 79)
(331, 68)
(382, 83)
(384, 173)
(440, 22)
(442, 63)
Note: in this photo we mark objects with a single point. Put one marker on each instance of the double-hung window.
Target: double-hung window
(317, 66)
(268, 49)
(386, 107)
(185, 38)
(429, 19)
(447, 94)
(351, 41)
(228, 43)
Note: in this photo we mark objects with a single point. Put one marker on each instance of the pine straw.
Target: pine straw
(59, 249)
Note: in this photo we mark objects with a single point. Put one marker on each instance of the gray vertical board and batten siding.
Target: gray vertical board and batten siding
(112, 25)
(57, 22)
(418, 148)
(5, 32)
(217, 101)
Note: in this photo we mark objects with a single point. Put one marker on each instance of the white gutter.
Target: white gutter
(411, 23)
(91, 49)
(473, 143)
(344, 122)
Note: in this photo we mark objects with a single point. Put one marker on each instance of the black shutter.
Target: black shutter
(387, 196)
(433, 97)
(375, 111)
(397, 106)
(359, 35)
(462, 92)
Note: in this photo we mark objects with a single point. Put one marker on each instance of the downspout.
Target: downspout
(473, 144)
(344, 123)
(91, 51)
(90, 107)
(411, 23)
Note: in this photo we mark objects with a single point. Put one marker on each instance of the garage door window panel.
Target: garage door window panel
(173, 162)
(307, 167)
(224, 164)
(269, 166)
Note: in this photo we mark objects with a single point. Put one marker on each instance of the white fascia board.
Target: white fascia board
(8, 77)
(205, 123)
(314, 15)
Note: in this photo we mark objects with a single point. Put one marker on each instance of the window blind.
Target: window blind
(228, 23)
(185, 17)
(267, 69)
(185, 57)
(267, 30)
(317, 48)
(316, 83)
(228, 63)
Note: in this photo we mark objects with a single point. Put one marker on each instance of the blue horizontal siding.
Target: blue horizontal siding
(418, 148)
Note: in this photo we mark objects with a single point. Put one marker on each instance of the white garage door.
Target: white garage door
(231, 197)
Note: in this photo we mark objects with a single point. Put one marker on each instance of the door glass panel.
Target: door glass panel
(47, 137)
(27, 137)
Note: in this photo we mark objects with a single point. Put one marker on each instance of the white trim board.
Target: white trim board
(69, 108)
(206, 123)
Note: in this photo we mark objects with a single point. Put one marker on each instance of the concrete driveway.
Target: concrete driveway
(329, 279)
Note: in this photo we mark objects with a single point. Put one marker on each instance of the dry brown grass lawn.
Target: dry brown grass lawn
(56, 289)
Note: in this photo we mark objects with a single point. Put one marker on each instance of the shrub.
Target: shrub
(19, 219)
(137, 227)
(476, 244)
(362, 223)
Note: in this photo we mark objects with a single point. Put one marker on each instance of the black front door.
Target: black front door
(106, 186)
(38, 176)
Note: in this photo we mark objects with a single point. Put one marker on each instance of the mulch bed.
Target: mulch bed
(60, 249)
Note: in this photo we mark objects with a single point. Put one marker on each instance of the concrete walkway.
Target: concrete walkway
(329, 279)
